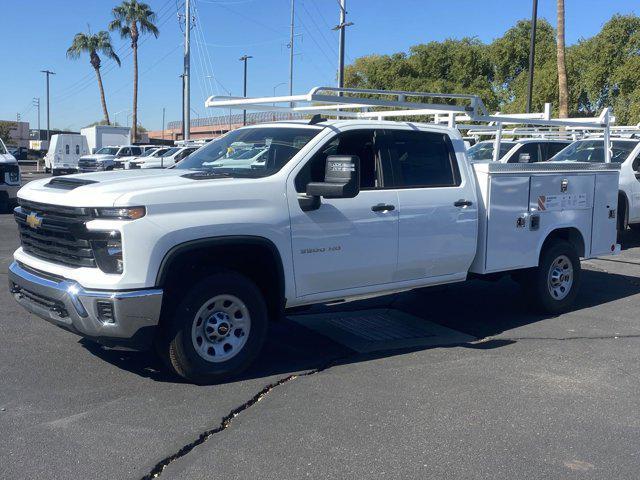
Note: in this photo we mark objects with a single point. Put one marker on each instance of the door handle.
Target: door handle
(462, 203)
(382, 208)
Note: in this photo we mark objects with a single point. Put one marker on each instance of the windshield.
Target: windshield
(229, 154)
(148, 152)
(170, 152)
(593, 151)
(107, 151)
(484, 150)
(159, 152)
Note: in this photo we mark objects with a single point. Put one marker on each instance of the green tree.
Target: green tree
(94, 45)
(131, 19)
(5, 131)
(452, 66)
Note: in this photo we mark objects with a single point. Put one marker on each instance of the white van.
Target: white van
(65, 150)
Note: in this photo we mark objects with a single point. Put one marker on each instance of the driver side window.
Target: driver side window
(354, 142)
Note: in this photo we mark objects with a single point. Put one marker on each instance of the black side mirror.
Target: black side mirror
(341, 178)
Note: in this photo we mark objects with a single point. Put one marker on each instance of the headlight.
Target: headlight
(124, 213)
(108, 253)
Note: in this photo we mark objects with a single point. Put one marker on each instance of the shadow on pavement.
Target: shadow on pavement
(478, 308)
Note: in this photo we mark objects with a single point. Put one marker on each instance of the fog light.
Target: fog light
(106, 312)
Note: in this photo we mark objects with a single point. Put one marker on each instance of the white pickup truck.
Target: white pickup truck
(9, 178)
(198, 259)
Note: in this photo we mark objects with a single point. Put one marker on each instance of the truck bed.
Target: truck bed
(521, 204)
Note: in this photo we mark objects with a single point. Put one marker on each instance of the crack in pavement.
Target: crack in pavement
(562, 339)
(159, 467)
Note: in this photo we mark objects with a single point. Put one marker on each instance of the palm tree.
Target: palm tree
(94, 44)
(132, 19)
(563, 89)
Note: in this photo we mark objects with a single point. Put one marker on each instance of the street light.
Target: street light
(244, 59)
(276, 86)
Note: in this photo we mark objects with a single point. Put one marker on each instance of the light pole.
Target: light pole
(115, 116)
(276, 86)
(48, 73)
(244, 59)
(532, 53)
(36, 102)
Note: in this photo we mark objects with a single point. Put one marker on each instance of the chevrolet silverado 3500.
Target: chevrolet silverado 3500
(197, 259)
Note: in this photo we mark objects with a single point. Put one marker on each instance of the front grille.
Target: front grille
(61, 237)
(50, 304)
(87, 165)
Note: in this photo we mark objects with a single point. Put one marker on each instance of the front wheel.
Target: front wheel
(217, 330)
(553, 286)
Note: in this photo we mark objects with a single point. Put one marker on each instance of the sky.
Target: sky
(37, 33)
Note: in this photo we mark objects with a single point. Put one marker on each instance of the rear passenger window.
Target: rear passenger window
(422, 159)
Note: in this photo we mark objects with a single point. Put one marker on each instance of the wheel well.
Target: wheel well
(569, 234)
(258, 259)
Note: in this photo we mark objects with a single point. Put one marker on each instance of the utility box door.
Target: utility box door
(509, 243)
(605, 206)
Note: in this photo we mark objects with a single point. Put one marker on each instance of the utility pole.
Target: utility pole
(186, 114)
(36, 102)
(163, 122)
(532, 53)
(244, 59)
(341, 26)
(48, 73)
(291, 37)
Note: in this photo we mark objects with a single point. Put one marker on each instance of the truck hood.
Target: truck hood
(122, 188)
(7, 158)
(97, 158)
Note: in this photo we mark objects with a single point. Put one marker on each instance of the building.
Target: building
(19, 133)
(212, 127)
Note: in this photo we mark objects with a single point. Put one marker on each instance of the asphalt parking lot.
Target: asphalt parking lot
(490, 391)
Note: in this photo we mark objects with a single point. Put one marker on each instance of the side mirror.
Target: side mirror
(524, 158)
(341, 178)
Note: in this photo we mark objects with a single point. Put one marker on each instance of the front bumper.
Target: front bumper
(113, 318)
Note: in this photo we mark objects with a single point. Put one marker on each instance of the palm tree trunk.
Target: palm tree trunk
(134, 127)
(102, 97)
(563, 89)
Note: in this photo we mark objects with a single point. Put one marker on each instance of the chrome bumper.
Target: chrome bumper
(126, 318)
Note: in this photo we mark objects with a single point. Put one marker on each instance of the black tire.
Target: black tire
(109, 169)
(621, 218)
(176, 344)
(537, 283)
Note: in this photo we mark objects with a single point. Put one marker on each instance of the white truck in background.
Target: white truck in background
(65, 150)
(197, 259)
(9, 178)
(100, 136)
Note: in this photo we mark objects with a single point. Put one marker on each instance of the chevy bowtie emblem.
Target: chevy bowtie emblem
(34, 221)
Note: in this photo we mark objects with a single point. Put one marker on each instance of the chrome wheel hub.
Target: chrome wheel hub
(220, 328)
(560, 277)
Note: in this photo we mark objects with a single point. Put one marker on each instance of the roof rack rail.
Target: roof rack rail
(358, 103)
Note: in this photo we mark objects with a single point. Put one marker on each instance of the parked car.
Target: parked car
(109, 158)
(197, 259)
(166, 159)
(624, 151)
(65, 151)
(9, 178)
(526, 150)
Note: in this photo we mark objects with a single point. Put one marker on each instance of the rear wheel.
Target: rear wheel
(553, 286)
(217, 330)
